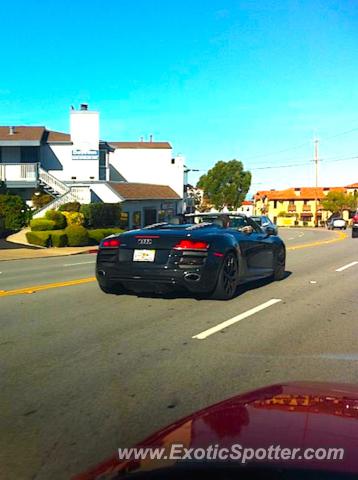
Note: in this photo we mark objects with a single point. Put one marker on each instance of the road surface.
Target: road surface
(84, 373)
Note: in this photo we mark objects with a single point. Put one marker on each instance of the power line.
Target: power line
(296, 147)
(307, 162)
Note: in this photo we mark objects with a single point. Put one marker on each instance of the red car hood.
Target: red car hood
(294, 415)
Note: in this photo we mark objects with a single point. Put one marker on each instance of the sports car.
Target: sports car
(205, 254)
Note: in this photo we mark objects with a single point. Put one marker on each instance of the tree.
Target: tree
(336, 202)
(15, 212)
(226, 184)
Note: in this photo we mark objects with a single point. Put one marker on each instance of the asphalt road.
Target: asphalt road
(83, 373)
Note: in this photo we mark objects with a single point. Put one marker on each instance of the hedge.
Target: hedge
(101, 215)
(77, 236)
(70, 207)
(74, 218)
(58, 217)
(99, 234)
(39, 238)
(58, 238)
(42, 225)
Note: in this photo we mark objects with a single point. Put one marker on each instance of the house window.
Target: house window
(173, 161)
(275, 204)
(136, 219)
(124, 220)
(305, 202)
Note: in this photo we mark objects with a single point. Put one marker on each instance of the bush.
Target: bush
(59, 238)
(39, 238)
(42, 224)
(58, 217)
(70, 207)
(74, 218)
(77, 236)
(100, 215)
(41, 199)
(15, 212)
(99, 234)
(2, 226)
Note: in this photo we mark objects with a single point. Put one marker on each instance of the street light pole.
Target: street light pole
(316, 160)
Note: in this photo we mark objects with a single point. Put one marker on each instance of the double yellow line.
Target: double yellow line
(39, 288)
(70, 283)
(340, 236)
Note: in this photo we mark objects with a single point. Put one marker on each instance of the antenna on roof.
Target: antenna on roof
(11, 130)
(72, 107)
(151, 138)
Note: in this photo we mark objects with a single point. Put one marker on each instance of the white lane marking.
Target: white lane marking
(291, 238)
(346, 266)
(301, 235)
(231, 321)
(78, 263)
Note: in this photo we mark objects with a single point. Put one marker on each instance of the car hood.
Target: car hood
(294, 415)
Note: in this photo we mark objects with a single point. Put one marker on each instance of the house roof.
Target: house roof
(301, 193)
(30, 136)
(21, 133)
(54, 137)
(152, 145)
(352, 185)
(247, 202)
(144, 191)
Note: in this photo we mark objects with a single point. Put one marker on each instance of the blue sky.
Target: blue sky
(219, 80)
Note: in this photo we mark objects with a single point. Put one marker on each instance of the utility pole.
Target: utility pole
(316, 160)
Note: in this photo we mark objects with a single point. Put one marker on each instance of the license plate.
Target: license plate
(143, 255)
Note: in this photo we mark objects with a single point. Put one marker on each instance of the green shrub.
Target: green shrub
(41, 199)
(58, 217)
(77, 236)
(74, 218)
(42, 224)
(99, 234)
(101, 215)
(70, 207)
(39, 238)
(58, 238)
(15, 212)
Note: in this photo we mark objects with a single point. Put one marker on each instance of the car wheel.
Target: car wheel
(111, 288)
(280, 264)
(227, 278)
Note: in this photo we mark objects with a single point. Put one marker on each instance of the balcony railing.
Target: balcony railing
(18, 172)
(292, 208)
(306, 208)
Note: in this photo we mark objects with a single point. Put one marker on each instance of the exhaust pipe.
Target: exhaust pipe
(101, 273)
(192, 277)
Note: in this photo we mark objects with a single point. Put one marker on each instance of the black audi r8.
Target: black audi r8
(205, 254)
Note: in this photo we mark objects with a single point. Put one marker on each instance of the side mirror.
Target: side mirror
(270, 231)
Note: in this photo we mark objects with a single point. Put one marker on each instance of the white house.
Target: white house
(144, 176)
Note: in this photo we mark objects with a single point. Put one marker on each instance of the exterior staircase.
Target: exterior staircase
(61, 192)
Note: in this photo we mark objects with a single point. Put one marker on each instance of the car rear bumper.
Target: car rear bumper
(160, 277)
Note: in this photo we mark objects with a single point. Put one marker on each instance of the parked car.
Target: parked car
(209, 254)
(355, 226)
(336, 222)
(265, 222)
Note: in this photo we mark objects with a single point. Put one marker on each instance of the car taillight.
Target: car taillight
(111, 243)
(191, 245)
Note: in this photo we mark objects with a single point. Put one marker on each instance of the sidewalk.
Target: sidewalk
(39, 252)
(23, 253)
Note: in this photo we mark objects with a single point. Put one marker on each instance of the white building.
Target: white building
(144, 176)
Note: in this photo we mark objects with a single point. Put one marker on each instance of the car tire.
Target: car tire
(111, 288)
(280, 264)
(227, 279)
